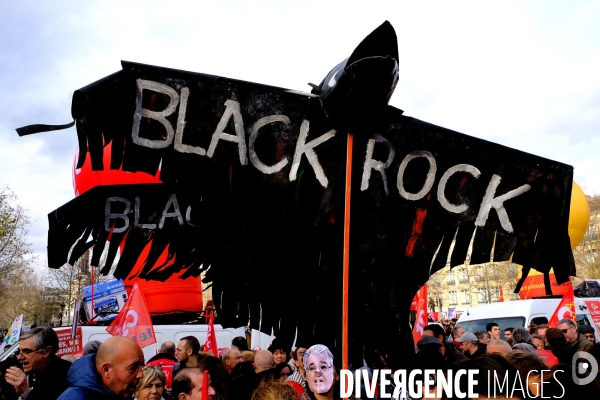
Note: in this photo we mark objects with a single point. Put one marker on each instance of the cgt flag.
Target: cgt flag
(565, 309)
(134, 319)
(421, 311)
(211, 338)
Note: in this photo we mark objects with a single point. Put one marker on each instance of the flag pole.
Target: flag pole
(346, 251)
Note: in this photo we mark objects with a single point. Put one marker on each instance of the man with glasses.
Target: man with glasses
(44, 375)
(574, 339)
(299, 375)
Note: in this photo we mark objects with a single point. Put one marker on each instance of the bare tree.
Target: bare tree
(587, 252)
(69, 280)
(15, 251)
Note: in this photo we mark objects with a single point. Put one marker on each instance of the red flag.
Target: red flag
(205, 385)
(565, 309)
(421, 310)
(501, 294)
(134, 320)
(211, 339)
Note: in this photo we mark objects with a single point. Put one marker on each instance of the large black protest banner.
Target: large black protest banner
(253, 191)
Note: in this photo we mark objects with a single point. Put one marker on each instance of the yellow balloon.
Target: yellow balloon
(579, 216)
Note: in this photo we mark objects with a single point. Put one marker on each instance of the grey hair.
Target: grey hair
(228, 352)
(319, 350)
(567, 321)
(43, 336)
(481, 334)
(455, 329)
(524, 347)
(521, 335)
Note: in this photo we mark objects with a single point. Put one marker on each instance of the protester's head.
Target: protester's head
(482, 336)
(280, 352)
(243, 368)
(541, 330)
(532, 328)
(508, 332)
(521, 335)
(568, 327)
(167, 348)
(429, 342)
(263, 360)
(218, 374)
(298, 355)
(282, 371)
(152, 384)
(37, 346)
(320, 372)
(457, 332)
(588, 332)
(231, 358)
(274, 391)
(187, 385)
(187, 347)
(91, 347)
(240, 342)
(493, 330)
(538, 342)
(434, 330)
(468, 343)
(119, 362)
(524, 347)
(248, 356)
(555, 338)
(529, 367)
(498, 346)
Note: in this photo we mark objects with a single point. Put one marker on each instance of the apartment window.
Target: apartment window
(482, 295)
(453, 295)
(462, 275)
(465, 296)
(450, 278)
(495, 292)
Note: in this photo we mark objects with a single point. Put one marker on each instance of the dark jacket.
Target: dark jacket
(49, 383)
(581, 344)
(85, 382)
(165, 358)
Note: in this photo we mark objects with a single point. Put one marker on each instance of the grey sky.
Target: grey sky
(523, 74)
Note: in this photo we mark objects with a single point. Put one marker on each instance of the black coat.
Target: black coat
(49, 383)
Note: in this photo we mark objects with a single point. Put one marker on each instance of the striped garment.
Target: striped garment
(296, 377)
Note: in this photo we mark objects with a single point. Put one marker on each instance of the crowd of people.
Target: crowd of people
(116, 369)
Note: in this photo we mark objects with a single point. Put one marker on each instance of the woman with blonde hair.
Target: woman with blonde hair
(274, 391)
(152, 384)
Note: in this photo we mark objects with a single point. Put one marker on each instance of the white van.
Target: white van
(522, 313)
(173, 333)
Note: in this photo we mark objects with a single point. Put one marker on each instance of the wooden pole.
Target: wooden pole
(346, 252)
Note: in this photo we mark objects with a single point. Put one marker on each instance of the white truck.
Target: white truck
(522, 313)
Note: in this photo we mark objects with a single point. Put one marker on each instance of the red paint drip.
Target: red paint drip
(416, 231)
